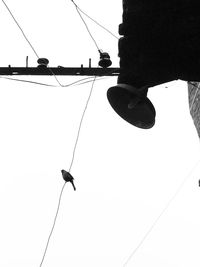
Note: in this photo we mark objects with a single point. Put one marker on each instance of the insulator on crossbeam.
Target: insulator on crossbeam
(105, 61)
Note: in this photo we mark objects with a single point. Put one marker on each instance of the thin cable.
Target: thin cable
(76, 83)
(161, 214)
(55, 77)
(96, 22)
(86, 25)
(20, 28)
(54, 222)
(81, 124)
(97, 79)
(26, 81)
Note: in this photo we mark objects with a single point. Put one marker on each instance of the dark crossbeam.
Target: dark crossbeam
(59, 71)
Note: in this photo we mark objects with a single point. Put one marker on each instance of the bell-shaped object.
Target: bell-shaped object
(105, 61)
(132, 105)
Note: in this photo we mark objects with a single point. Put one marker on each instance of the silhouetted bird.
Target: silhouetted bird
(68, 178)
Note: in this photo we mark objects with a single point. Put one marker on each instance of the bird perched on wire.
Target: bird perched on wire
(68, 178)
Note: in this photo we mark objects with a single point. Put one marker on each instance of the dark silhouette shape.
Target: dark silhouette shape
(160, 43)
(43, 62)
(68, 178)
(132, 105)
(105, 61)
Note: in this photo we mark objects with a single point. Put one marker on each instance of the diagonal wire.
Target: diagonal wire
(20, 28)
(26, 81)
(55, 76)
(28, 40)
(78, 135)
(161, 214)
(96, 22)
(80, 125)
(76, 83)
(86, 25)
(97, 79)
(54, 222)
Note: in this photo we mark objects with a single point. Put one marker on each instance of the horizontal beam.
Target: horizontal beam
(43, 70)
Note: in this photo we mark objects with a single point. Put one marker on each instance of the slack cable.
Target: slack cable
(95, 21)
(67, 175)
(20, 28)
(76, 83)
(77, 9)
(80, 125)
(54, 222)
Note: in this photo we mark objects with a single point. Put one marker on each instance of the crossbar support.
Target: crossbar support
(43, 70)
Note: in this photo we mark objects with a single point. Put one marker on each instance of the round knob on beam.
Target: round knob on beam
(43, 62)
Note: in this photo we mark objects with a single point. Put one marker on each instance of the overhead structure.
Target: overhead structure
(160, 43)
(44, 70)
(59, 71)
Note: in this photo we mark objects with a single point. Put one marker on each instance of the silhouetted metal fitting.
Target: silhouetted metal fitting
(43, 62)
(105, 61)
(132, 105)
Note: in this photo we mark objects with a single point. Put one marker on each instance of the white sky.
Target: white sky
(124, 175)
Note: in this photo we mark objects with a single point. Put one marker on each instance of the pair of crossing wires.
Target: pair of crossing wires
(66, 175)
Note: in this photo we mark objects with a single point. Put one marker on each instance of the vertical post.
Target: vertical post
(27, 62)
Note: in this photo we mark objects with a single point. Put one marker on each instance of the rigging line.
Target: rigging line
(76, 83)
(26, 81)
(55, 77)
(101, 77)
(91, 81)
(86, 25)
(161, 214)
(89, 97)
(54, 222)
(97, 22)
(20, 28)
